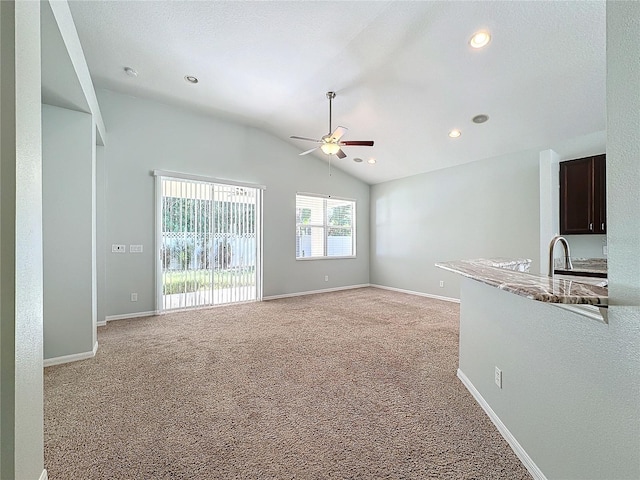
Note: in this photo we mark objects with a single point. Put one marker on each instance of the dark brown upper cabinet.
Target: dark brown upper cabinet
(583, 207)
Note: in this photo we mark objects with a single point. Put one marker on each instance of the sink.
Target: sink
(575, 277)
(580, 273)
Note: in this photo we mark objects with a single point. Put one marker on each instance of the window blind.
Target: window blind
(325, 227)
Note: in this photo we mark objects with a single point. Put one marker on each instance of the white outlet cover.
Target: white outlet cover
(135, 248)
(498, 377)
(118, 248)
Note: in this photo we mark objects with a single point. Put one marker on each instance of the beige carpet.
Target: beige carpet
(357, 384)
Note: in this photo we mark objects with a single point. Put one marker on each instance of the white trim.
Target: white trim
(157, 274)
(204, 178)
(124, 316)
(312, 292)
(307, 259)
(74, 357)
(526, 460)
(420, 294)
(43, 475)
(324, 195)
(101, 323)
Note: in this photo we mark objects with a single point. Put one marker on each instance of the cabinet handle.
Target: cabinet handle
(602, 225)
(591, 226)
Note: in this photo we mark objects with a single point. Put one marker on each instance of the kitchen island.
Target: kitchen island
(539, 365)
(512, 275)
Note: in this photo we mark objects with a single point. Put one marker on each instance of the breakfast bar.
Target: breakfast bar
(512, 275)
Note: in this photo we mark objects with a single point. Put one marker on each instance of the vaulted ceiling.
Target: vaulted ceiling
(404, 72)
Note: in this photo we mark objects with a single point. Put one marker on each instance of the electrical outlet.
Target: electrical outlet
(441, 283)
(326, 278)
(118, 248)
(498, 377)
(135, 248)
(134, 297)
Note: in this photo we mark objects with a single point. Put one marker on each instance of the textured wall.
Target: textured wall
(623, 152)
(145, 135)
(21, 434)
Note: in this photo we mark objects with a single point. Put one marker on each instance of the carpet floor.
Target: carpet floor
(355, 384)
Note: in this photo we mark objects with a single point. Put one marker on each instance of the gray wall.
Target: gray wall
(21, 430)
(487, 208)
(67, 189)
(623, 153)
(569, 384)
(146, 135)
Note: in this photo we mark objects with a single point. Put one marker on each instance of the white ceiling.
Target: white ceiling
(403, 71)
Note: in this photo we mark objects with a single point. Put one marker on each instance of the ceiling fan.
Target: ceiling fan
(331, 143)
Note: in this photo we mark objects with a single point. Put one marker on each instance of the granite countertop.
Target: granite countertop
(509, 275)
(594, 266)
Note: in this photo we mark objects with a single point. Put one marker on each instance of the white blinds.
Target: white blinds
(325, 227)
(209, 243)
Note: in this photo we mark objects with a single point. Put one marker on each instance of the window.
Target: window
(325, 227)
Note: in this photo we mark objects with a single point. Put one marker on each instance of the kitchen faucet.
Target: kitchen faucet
(567, 254)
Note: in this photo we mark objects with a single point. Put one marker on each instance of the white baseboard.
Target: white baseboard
(74, 357)
(312, 292)
(43, 475)
(526, 460)
(420, 294)
(124, 316)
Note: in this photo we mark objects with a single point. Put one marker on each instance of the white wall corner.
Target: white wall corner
(526, 460)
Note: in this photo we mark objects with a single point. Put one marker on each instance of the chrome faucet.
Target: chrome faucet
(567, 254)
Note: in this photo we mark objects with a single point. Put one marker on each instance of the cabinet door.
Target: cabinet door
(600, 194)
(576, 196)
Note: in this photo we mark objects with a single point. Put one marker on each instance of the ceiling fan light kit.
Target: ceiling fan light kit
(331, 143)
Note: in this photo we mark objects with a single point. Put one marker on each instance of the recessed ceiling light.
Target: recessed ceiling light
(130, 71)
(455, 133)
(357, 160)
(191, 79)
(480, 39)
(371, 161)
(480, 118)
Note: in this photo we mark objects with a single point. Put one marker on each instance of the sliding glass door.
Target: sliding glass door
(208, 242)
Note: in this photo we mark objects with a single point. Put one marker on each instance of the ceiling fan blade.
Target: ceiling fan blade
(338, 133)
(356, 143)
(340, 154)
(305, 138)
(309, 151)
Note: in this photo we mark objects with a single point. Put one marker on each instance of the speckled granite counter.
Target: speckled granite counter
(512, 276)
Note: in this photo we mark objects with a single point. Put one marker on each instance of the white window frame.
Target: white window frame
(326, 227)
